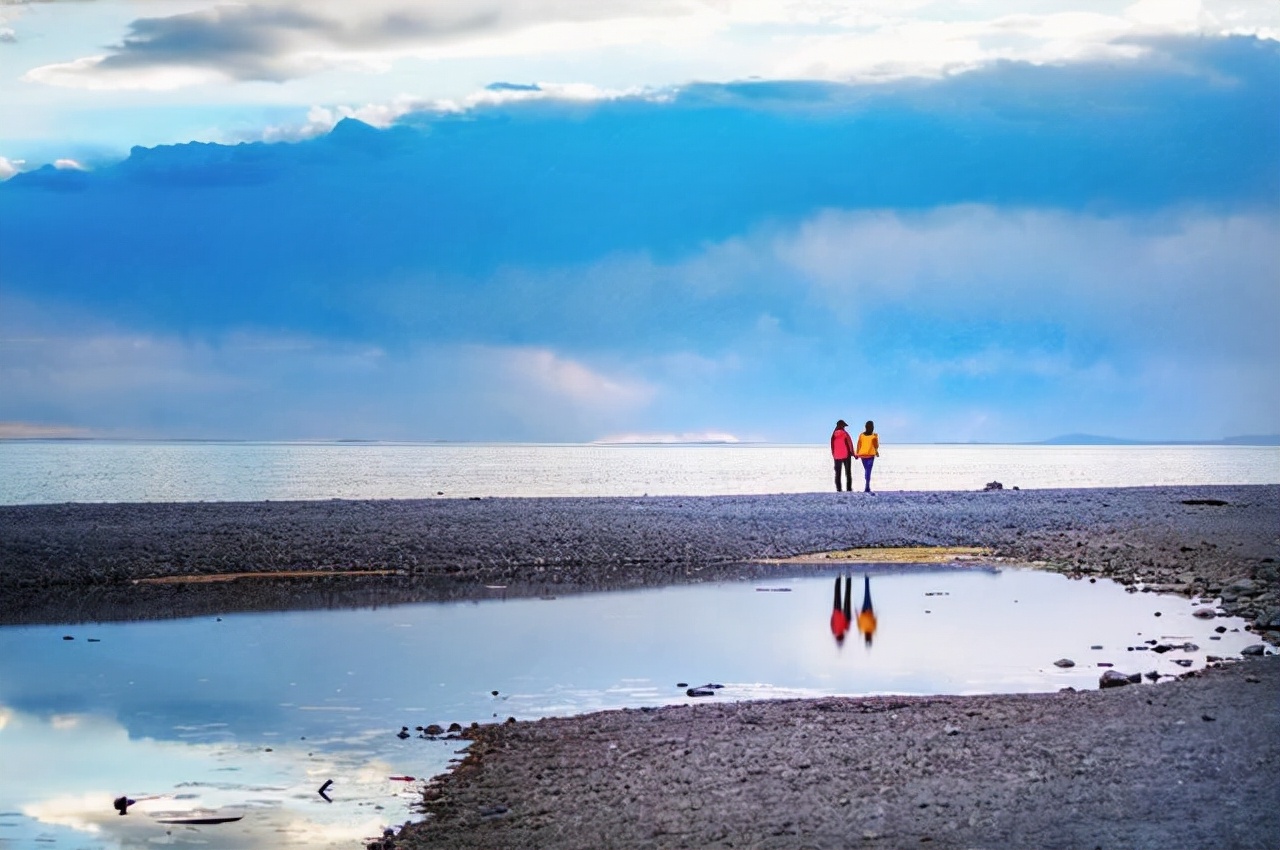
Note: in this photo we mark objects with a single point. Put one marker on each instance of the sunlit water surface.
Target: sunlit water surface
(249, 714)
(104, 471)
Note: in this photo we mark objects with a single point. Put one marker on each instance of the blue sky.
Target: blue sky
(544, 220)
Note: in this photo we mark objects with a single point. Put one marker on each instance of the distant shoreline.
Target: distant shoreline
(1254, 440)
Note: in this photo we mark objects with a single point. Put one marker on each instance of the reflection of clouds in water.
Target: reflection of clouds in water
(74, 765)
(984, 631)
(74, 811)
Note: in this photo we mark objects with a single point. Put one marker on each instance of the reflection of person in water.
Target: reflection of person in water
(842, 614)
(867, 616)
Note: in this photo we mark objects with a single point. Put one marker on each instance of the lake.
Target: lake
(40, 471)
(249, 714)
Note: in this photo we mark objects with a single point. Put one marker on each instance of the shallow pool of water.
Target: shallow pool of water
(247, 715)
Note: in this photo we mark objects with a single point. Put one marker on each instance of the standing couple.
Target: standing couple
(844, 451)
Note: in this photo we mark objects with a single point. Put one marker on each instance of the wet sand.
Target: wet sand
(1131, 767)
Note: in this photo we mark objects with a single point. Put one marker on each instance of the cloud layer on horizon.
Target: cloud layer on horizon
(1010, 253)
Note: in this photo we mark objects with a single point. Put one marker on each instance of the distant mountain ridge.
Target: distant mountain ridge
(1095, 440)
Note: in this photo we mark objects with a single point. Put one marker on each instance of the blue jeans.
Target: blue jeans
(867, 463)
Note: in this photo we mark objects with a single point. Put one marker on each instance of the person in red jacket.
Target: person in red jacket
(842, 615)
(842, 453)
(868, 450)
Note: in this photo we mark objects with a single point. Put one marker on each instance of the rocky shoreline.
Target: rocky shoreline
(1186, 764)
(1181, 764)
(87, 562)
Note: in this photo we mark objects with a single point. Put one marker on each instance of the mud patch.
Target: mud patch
(890, 555)
(210, 578)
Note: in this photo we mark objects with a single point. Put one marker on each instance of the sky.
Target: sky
(552, 221)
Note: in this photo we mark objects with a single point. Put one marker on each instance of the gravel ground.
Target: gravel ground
(1187, 764)
(1182, 764)
(79, 562)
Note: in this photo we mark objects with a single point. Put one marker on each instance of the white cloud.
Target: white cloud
(95, 74)
(912, 47)
(10, 167)
(279, 40)
(86, 375)
(322, 119)
(1205, 275)
(549, 375)
(68, 165)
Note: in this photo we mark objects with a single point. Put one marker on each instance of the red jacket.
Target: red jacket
(841, 444)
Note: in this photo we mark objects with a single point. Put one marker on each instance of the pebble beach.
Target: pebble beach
(1183, 763)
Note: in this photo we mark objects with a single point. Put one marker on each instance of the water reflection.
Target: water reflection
(867, 614)
(841, 612)
(250, 715)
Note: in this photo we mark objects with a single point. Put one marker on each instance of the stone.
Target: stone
(1064, 662)
(1113, 679)
(1204, 613)
(1270, 620)
(1254, 649)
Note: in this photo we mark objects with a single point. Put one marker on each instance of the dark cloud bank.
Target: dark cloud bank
(202, 235)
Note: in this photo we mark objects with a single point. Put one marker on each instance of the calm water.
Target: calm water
(92, 471)
(250, 714)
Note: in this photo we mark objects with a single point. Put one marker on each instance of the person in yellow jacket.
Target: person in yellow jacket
(867, 450)
(867, 616)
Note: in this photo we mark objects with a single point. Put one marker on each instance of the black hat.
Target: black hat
(840, 423)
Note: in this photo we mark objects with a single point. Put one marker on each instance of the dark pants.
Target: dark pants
(866, 467)
(847, 465)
